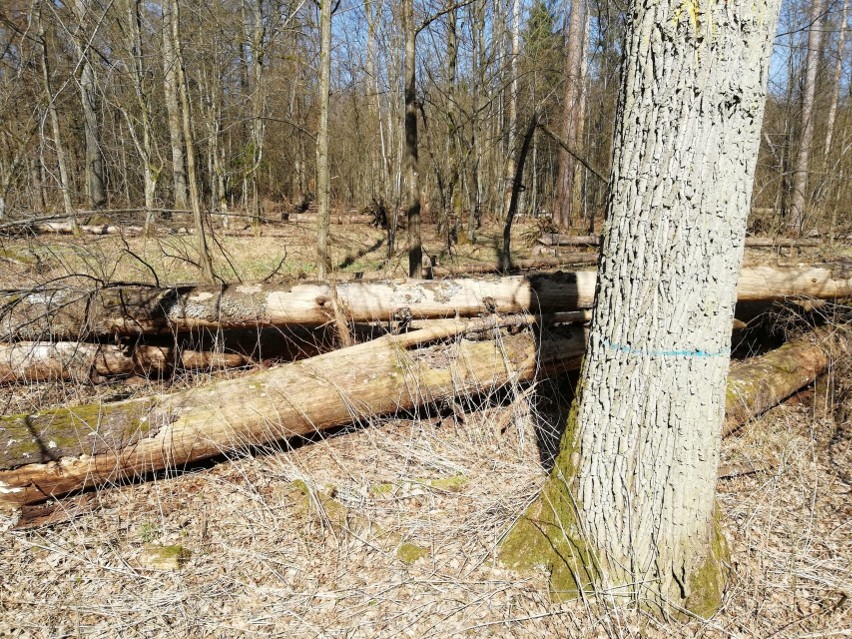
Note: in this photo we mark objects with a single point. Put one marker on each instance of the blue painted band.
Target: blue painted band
(679, 353)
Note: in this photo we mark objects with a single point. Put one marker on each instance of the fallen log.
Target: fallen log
(560, 239)
(67, 228)
(58, 451)
(62, 450)
(77, 361)
(757, 384)
(129, 310)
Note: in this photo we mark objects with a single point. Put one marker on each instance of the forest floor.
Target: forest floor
(392, 529)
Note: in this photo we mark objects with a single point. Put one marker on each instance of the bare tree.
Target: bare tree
(323, 261)
(572, 113)
(800, 175)
(629, 508)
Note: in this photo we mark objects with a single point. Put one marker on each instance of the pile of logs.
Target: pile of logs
(443, 339)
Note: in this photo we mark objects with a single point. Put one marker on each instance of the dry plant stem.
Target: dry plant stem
(70, 314)
(62, 450)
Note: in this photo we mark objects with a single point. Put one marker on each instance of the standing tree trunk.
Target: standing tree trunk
(144, 146)
(170, 90)
(515, 51)
(323, 261)
(412, 169)
(628, 511)
(800, 173)
(836, 80)
(204, 260)
(572, 114)
(95, 188)
(64, 179)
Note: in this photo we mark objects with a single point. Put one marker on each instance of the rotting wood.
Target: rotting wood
(58, 451)
(62, 450)
(128, 310)
(76, 361)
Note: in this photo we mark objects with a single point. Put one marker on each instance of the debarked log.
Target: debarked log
(121, 310)
(57, 451)
(76, 361)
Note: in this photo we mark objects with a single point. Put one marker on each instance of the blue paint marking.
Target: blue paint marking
(649, 353)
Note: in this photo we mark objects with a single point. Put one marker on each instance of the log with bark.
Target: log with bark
(757, 384)
(58, 451)
(62, 450)
(129, 310)
(77, 361)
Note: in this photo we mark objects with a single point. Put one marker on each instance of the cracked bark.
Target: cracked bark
(628, 512)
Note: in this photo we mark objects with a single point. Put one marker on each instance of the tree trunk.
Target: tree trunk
(61, 450)
(517, 183)
(170, 90)
(514, 53)
(628, 513)
(204, 261)
(323, 258)
(801, 197)
(95, 186)
(130, 310)
(64, 179)
(836, 81)
(758, 384)
(412, 164)
(571, 114)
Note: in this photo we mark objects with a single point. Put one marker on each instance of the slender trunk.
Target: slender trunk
(95, 188)
(64, 180)
(145, 146)
(836, 82)
(565, 209)
(323, 260)
(204, 260)
(412, 168)
(801, 197)
(170, 90)
(506, 254)
(629, 510)
(515, 51)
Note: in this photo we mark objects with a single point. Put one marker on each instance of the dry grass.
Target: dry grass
(266, 561)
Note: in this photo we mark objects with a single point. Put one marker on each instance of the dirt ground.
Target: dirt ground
(392, 529)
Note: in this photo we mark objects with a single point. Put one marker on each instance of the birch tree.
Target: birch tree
(629, 508)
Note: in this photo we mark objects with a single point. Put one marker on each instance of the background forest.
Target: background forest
(104, 101)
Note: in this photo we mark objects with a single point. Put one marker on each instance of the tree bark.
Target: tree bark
(628, 512)
(801, 197)
(95, 183)
(517, 184)
(170, 89)
(58, 451)
(557, 239)
(571, 114)
(323, 258)
(412, 163)
(204, 261)
(64, 179)
(129, 310)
